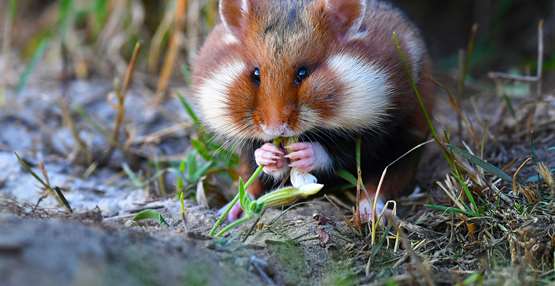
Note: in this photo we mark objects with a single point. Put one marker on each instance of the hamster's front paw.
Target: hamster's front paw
(308, 156)
(365, 209)
(273, 160)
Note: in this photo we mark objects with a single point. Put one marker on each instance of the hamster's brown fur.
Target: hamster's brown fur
(249, 90)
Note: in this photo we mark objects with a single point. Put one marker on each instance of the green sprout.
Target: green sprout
(254, 208)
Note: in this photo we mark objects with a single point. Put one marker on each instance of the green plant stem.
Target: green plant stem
(254, 176)
(448, 155)
(222, 217)
(233, 225)
(182, 204)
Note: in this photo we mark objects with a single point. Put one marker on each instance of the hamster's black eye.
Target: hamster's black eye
(256, 75)
(302, 73)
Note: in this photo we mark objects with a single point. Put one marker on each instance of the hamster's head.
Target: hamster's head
(287, 70)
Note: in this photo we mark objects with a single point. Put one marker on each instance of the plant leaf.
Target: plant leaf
(481, 163)
(150, 214)
(345, 175)
(189, 110)
(202, 171)
(63, 199)
(37, 56)
(180, 184)
(29, 170)
(191, 166)
(448, 209)
(201, 149)
(132, 176)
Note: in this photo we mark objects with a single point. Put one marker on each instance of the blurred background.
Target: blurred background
(99, 35)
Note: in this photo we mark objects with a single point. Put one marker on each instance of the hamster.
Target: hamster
(324, 71)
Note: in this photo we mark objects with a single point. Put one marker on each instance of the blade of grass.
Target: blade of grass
(62, 198)
(55, 191)
(374, 221)
(480, 163)
(32, 65)
(359, 183)
(446, 154)
(189, 110)
(150, 214)
(201, 149)
(448, 209)
(137, 182)
(101, 11)
(465, 59)
(65, 12)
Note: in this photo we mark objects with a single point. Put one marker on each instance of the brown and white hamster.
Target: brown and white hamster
(325, 71)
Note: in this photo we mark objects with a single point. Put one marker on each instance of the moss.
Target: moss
(340, 273)
(204, 272)
(196, 274)
(291, 261)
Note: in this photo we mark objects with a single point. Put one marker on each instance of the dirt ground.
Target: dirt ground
(309, 243)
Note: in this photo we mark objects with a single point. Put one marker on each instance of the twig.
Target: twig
(173, 48)
(511, 77)
(121, 96)
(539, 70)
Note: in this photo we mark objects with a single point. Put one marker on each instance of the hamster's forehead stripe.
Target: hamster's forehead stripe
(367, 92)
(213, 96)
(284, 27)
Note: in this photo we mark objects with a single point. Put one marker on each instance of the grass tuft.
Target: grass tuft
(55, 191)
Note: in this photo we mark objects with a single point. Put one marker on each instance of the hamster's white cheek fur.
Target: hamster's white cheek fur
(213, 96)
(366, 95)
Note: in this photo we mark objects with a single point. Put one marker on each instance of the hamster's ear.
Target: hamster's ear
(345, 16)
(233, 14)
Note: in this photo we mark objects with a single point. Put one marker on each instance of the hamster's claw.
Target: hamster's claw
(272, 158)
(302, 156)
